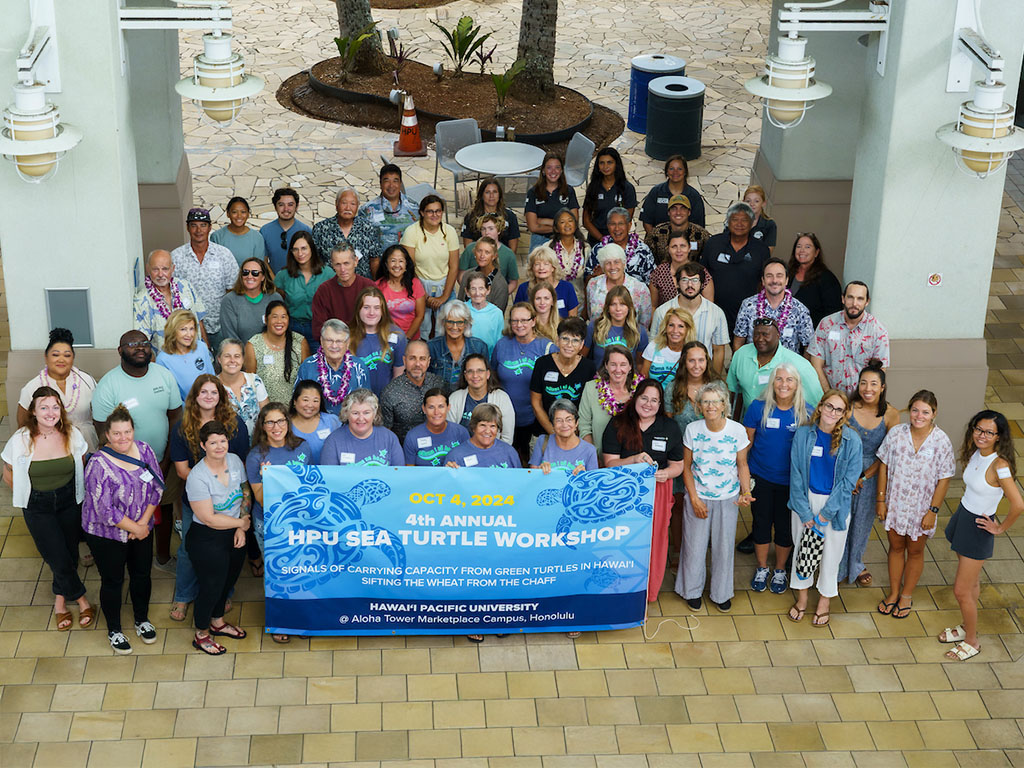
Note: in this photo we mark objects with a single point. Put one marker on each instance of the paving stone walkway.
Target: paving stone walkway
(748, 688)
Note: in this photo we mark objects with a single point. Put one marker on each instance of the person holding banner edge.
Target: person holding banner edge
(643, 433)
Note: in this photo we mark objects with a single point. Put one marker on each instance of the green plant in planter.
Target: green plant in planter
(348, 48)
(503, 82)
(462, 42)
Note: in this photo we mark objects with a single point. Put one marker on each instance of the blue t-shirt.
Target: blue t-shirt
(283, 456)
(423, 448)
(277, 254)
(488, 324)
(380, 449)
(584, 453)
(187, 367)
(379, 367)
(615, 335)
(823, 464)
(315, 439)
(467, 409)
(513, 363)
(769, 455)
(358, 380)
(565, 296)
(498, 455)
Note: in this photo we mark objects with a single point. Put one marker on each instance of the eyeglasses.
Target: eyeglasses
(433, 211)
(833, 408)
(252, 272)
(985, 432)
(136, 344)
(513, 321)
(567, 340)
(456, 323)
(333, 342)
(690, 280)
(275, 422)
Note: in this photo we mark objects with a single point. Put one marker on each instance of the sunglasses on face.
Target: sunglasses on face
(252, 272)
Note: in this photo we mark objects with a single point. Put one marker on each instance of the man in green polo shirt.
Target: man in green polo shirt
(752, 365)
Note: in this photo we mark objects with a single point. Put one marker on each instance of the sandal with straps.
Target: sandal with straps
(228, 630)
(208, 645)
(962, 651)
(953, 634)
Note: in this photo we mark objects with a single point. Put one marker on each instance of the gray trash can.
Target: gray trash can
(675, 114)
(644, 69)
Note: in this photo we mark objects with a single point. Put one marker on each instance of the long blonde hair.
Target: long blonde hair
(837, 430)
(175, 321)
(630, 326)
(800, 416)
(548, 329)
(661, 338)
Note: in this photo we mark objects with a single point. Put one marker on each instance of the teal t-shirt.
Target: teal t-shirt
(148, 399)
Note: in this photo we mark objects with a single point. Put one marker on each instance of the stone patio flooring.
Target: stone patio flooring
(748, 688)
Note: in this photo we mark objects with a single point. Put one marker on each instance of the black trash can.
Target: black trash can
(675, 114)
(644, 69)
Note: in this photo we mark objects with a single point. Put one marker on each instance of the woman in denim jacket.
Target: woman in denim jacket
(824, 466)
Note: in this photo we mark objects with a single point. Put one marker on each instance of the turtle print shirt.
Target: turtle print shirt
(714, 458)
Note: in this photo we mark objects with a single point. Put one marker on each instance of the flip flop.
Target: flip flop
(256, 566)
(953, 634)
(64, 621)
(799, 614)
(899, 612)
(475, 638)
(282, 639)
(87, 617)
(815, 621)
(882, 606)
(962, 651)
(227, 630)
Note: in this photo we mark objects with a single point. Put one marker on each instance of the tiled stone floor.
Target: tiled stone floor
(748, 688)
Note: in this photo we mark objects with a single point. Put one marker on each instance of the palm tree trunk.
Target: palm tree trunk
(537, 48)
(353, 17)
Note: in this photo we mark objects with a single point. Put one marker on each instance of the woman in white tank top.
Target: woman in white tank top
(989, 469)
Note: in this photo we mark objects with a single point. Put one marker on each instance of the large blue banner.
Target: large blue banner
(422, 550)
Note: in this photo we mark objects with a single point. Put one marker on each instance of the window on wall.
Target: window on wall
(70, 308)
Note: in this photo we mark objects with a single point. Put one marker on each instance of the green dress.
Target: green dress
(270, 367)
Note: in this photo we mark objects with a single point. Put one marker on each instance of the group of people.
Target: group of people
(381, 337)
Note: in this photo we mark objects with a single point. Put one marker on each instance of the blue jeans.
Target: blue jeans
(305, 327)
(536, 241)
(186, 585)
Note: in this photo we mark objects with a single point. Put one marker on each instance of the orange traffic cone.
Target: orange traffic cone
(409, 143)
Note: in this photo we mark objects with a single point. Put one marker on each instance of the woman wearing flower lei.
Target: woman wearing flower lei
(570, 249)
(333, 367)
(607, 394)
(639, 257)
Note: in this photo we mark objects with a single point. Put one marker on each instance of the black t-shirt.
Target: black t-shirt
(510, 232)
(178, 450)
(552, 385)
(547, 209)
(663, 441)
(608, 199)
(655, 209)
(737, 275)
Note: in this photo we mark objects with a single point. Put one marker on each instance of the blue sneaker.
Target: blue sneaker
(778, 585)
(760, 581)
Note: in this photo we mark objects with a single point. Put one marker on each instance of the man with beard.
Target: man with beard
(210, 269)
(709, 323)
(162, 294)
(150, 394)
(846, 340)
(752, 365)
(776, 301)
(735, 260)
(401, 402)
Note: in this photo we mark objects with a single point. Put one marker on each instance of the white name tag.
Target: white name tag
(377, 217)
(600, 195)
(787, 332)
(347, 458)
(659, 444)
(131, 402)
(147, 476)
(423, 442)
(235, 477)
(268, 359)
(773, 424)
(393, 338)
(762, 378)
(759, 235)
(551, 376)
(816, 451)
(724, 258)
(693, 245)
(834, 335)
(561, 303)
(471, 460)
(323, 433)
(1003, 473)
(663, 200)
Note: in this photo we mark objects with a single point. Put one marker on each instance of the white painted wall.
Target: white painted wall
(80, 228)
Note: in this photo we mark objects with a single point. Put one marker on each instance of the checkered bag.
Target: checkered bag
(808, 555)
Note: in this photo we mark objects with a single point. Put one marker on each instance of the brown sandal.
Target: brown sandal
(64, 621)
(281, 639)
(864, 580)
(87, 617)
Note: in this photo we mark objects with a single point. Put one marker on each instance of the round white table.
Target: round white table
(500, 158)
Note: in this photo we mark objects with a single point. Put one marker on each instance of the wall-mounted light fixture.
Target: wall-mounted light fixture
(219, 84)
(983, 137)
(33, 136)
(788, 87)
